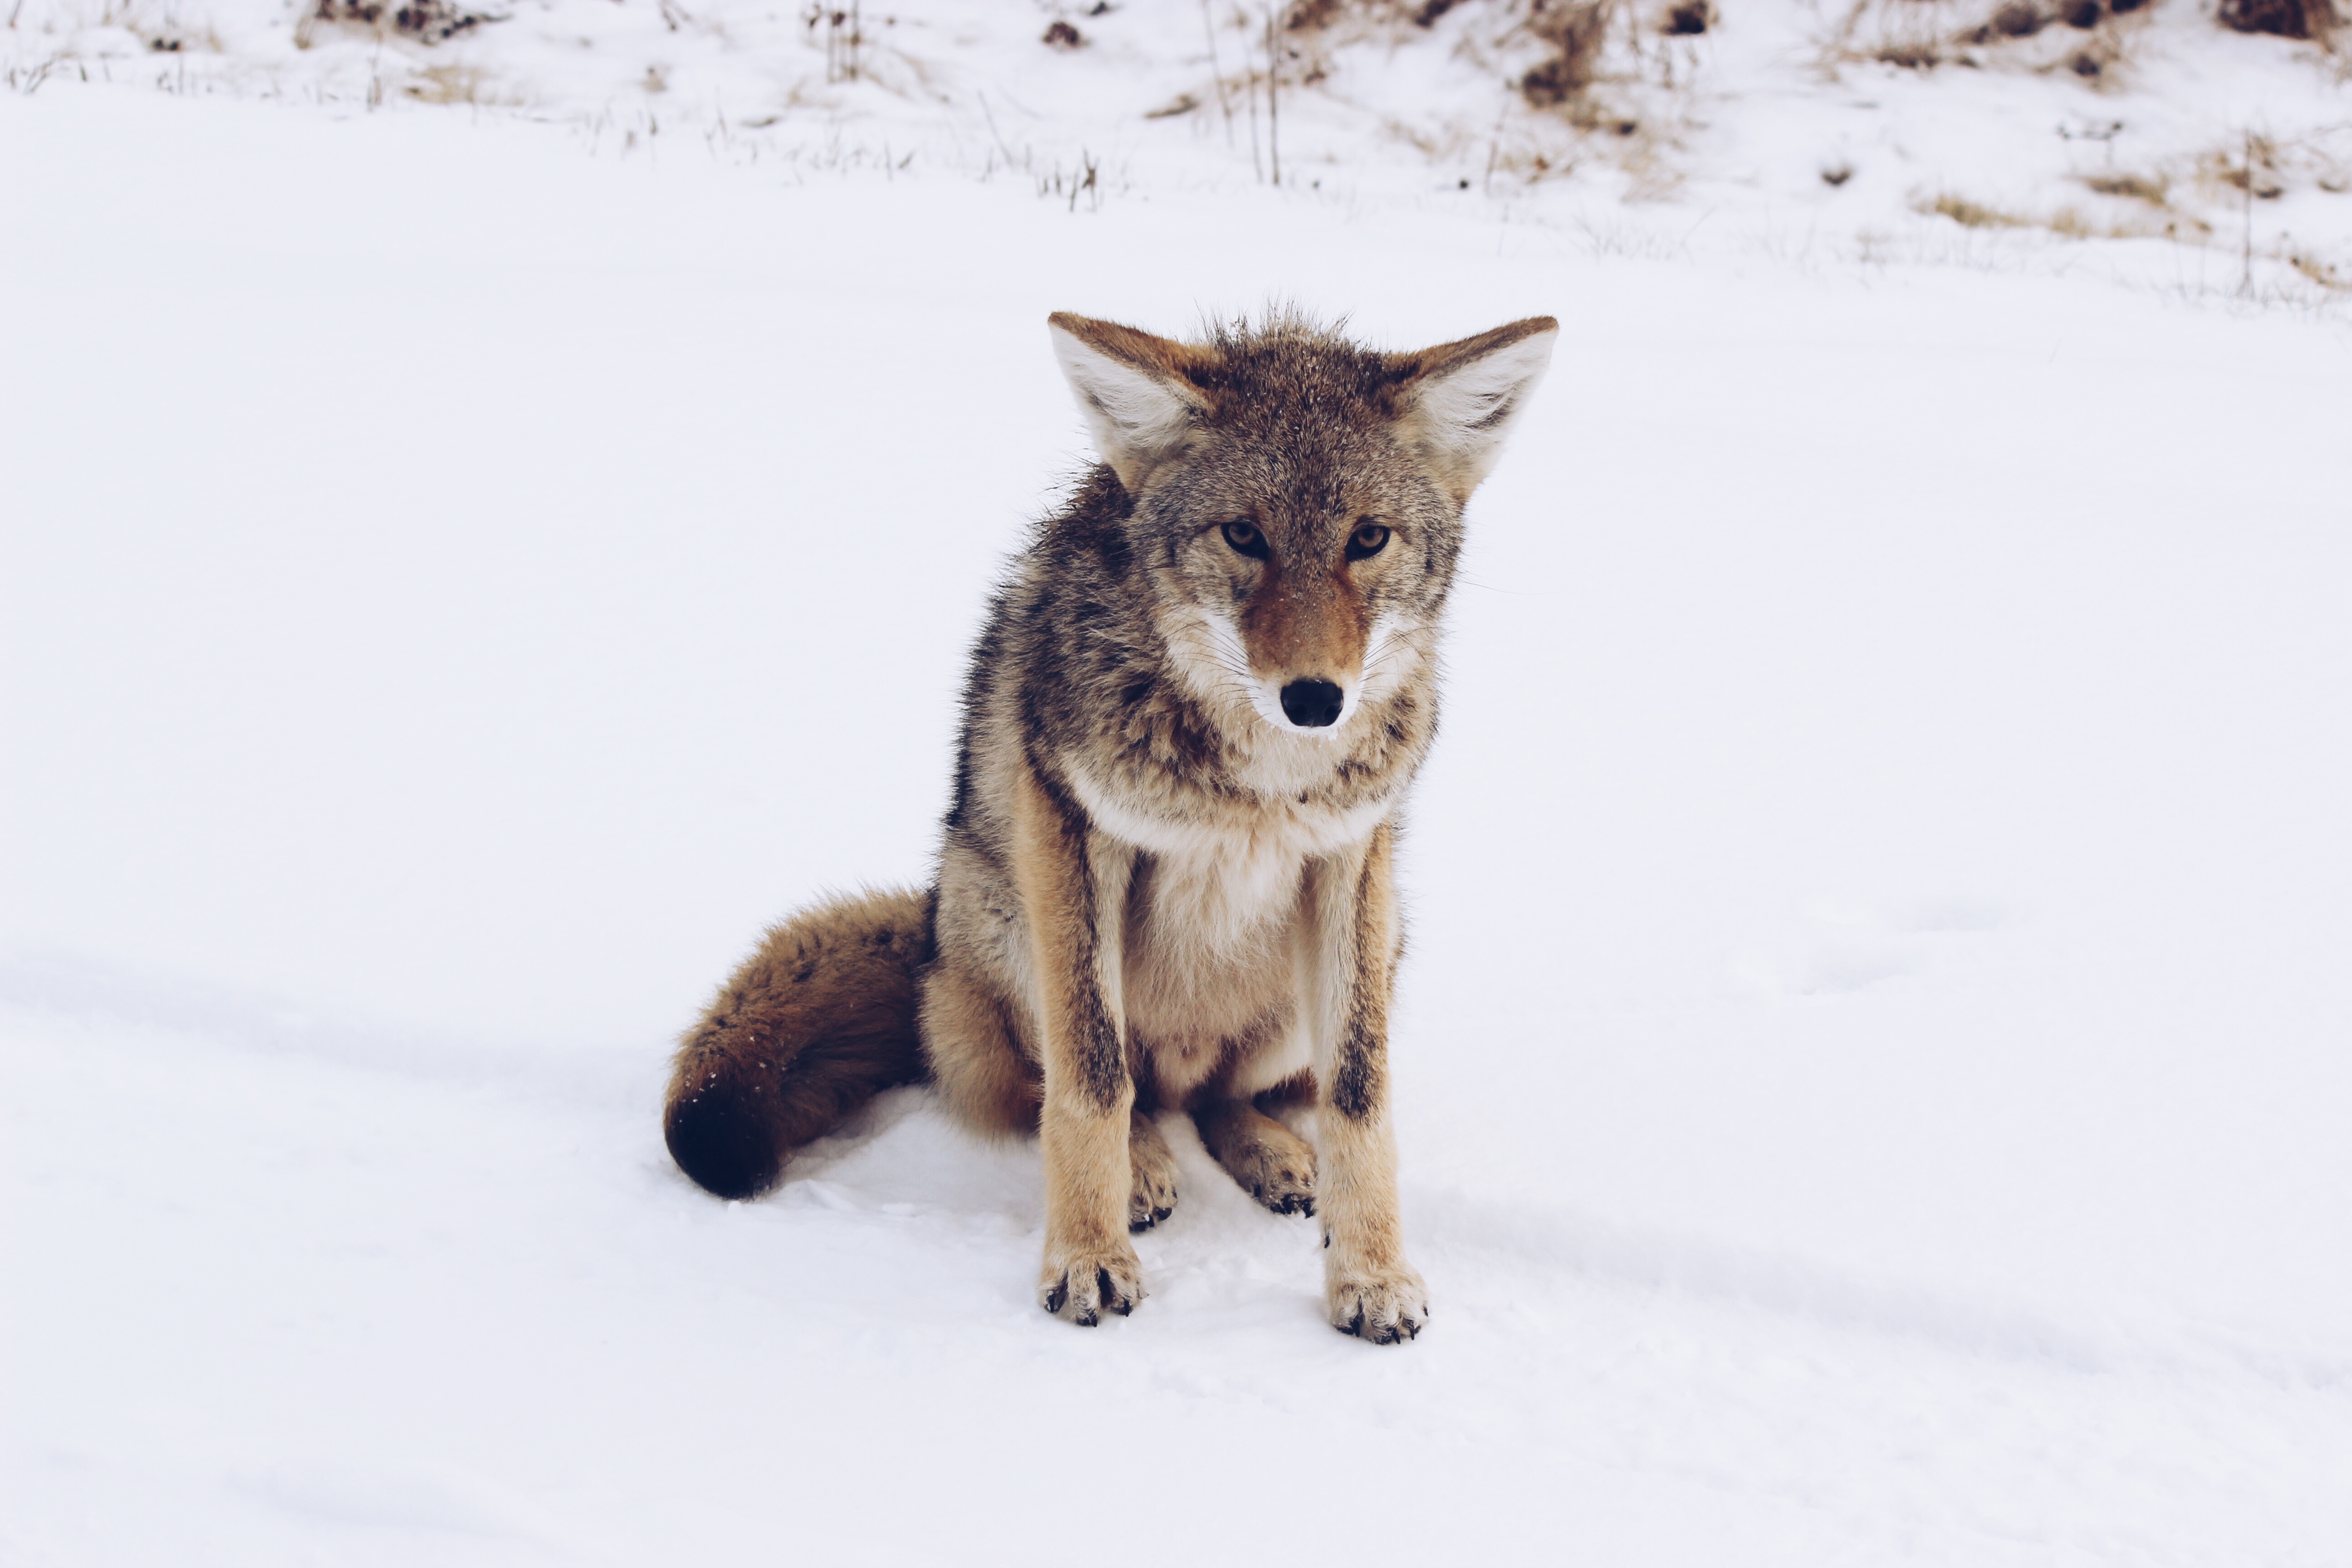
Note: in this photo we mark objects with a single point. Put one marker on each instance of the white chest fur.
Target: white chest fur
(1207, 969)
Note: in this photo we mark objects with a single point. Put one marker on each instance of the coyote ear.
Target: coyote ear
(1460, 399)
(1131, 388)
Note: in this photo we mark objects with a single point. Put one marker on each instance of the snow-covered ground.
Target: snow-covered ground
(1830, 130)
(1872, 1068)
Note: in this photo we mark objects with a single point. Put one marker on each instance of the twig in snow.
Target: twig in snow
(1273, 107)
(2246, 260)
(1257, 163)
(992, 130)
(1216, 71)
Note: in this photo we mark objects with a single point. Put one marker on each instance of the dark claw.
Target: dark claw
(1159, 1215)
(1058, 1298)
(1354, 1325)
(1085, 1320)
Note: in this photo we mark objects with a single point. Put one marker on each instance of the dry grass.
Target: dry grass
(2132, 187)
(1974, 214)
(2085, 38)
(2328, 275)
(448, 84)
(2066, 222)
(2071, 222)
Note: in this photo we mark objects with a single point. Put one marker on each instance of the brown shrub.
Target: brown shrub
(427, 21)
(2019, 19)
(1909, 57)
(1575, 34)
(2283, 19)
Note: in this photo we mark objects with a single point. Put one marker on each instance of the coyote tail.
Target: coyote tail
(807, 1029)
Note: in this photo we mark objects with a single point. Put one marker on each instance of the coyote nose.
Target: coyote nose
(1311, 703)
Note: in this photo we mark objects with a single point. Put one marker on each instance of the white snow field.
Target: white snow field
(1872, 1063)
(2189, 156)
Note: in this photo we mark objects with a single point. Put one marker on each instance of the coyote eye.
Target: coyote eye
(1370, 538)
(1246, 539)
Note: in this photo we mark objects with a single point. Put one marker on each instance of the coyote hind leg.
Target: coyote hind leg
(968, 1043)
(1152, 1198)
(1274, 1164)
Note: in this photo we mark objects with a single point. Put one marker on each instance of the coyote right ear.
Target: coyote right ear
(1132, 390)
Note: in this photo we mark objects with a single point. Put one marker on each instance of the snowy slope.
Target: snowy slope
(1870, 1070)
(2192, 157)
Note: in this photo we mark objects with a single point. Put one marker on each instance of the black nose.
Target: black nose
(1311, 703)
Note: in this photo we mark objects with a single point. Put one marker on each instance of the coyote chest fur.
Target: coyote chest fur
(1165, 879)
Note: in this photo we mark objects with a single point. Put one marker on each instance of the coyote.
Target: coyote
(1165, 879)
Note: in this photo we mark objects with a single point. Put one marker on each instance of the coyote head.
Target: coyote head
(1297, 500)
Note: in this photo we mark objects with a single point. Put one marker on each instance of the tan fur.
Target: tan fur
(1072, 884)
(1276, 1166)
(1353, 936)
(1156, 886)
(1307, 622)
(1152, 1168)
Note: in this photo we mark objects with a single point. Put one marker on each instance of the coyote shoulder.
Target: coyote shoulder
(1165, 880)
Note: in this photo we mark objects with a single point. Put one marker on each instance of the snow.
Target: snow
(2195, 159)
(1871, 1068)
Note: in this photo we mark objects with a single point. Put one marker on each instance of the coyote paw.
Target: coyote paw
(1273, 1164)
(1387, 1307)
(1089, 1282)
(1280, 1173)
(1152, 1197)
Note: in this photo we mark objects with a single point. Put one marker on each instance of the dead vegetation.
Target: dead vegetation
(1615, 71)
(2315, 20)
(448, 84)
(2132, 187)
(2213, 201)
(420, 21)
(2138, 210)
(2335, 278)
(2085, 38)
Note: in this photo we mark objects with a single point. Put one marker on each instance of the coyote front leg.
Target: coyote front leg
(1349, 936)
(1072, 887)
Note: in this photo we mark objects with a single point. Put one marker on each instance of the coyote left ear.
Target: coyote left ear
(1459, 400)
(1132, 390)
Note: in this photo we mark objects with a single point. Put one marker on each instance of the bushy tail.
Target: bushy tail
(810, 1026)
